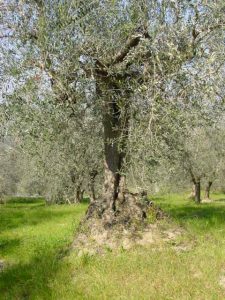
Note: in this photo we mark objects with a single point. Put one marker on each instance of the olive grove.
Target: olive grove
(115, 94)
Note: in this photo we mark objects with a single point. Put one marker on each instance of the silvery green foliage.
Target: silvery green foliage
(175, 78)
(62, 144)
(10, 169)
(204, 153)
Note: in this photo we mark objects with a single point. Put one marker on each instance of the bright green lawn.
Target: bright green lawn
(35, 239)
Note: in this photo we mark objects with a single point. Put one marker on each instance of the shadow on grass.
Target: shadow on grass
(32, 280)
(12, 219)
(213, 216)
(13, 216)
(25, 200)
(86, 200)
(220, 200)
(7, 245)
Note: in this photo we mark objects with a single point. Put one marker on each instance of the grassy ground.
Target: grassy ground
(35, 239)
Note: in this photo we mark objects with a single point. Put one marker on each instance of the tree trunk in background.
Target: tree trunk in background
(79, 194)
(93, 175)
(198, 191)
(207, 190)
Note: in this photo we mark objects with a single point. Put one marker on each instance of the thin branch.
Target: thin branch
(132, 42)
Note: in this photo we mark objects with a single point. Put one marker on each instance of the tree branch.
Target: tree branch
(132, 42)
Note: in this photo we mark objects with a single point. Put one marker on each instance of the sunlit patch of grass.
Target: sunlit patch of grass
(35, 241)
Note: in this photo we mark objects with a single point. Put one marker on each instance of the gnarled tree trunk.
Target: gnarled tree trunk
(114, 156)
(116, 204)
(114, 89)
(207, 190)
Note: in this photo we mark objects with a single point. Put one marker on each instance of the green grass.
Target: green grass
(35, 240)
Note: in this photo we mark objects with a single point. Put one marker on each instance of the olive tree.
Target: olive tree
(132, 55)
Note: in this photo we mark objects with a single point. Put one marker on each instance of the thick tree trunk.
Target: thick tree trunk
(198, 191)
(116, 205)
(207, 190)
(114, 155)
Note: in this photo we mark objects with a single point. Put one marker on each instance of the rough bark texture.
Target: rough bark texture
(116, 205)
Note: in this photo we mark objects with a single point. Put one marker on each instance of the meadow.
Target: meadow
(37, 261)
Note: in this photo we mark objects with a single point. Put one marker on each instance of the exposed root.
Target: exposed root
(126, 226)
(129, 211)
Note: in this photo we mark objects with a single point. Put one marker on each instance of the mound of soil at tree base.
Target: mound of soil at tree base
(134, 221)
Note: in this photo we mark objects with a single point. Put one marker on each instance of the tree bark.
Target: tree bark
(207, 190)
(198, 191)
(79, 194)
(116, 205)
(196, 186)
(114, 150)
